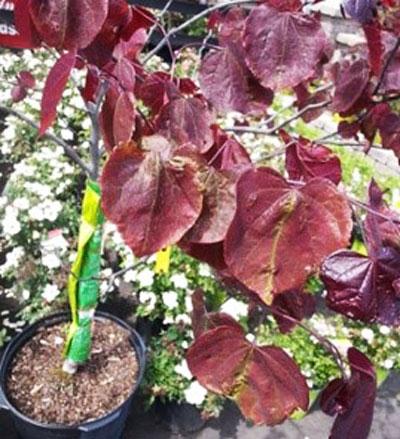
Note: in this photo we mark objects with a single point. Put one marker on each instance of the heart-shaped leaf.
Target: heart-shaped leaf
(283, 49)
(280, 235)
(187, 120)
(263, 380)
(154, 197)
(68, 24)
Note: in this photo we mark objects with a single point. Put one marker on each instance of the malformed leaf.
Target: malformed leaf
(280, 235)
(263, 380)
(68, 24)
(296, 305)
(54, 88)
(306, 160)
(219, 207)
(352, 399)
(153, 197)
(283, 49)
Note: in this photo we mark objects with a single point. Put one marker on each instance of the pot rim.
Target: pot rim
(53, 319)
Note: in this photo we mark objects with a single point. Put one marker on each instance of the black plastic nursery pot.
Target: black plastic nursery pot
(109, 426)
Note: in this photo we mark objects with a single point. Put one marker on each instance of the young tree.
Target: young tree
(173, 176)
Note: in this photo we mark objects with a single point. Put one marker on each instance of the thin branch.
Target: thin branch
(327, 344)
(159, 18)
(93, 110)
(387, 64)
(120, 273)
(299, 114)
(189, 22)
(373, 211)
(269, 132)
(69, 151)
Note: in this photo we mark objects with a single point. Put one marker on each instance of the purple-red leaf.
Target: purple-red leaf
(153, 197)
(352, 399)
(351, 81)
(125, 74)
(68, 24)
(376, 49)
(54, 88)
(361, 287)
(283, 49)
(187, 120)
(306, 160)
(202, 320)
(212, 254)
(123, 118)
(229, 85)
(219, 207)
(263, 380)
(296, 305)
(280, 235)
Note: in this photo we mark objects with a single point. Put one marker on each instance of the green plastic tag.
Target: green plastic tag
(83, 282)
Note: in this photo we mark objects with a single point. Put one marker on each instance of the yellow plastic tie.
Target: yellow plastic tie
(163, 259)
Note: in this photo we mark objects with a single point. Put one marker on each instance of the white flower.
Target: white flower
(26, 294)
(183, 369)
(170, 299)
(36, 213)
(24, 170)
(384, 330)
(367, 334)
(50, 292)
(130, 276)
(180, 281)
(21, 203)
(67, 134)
(11, 225)
(183, 318)
(204, 270)
(195, 393)
(168, 320)
(145, 277)
(235, 308)
(149, 299)
(51, 260)
(51, 209)
(388, 364)
(188, 304)
(12, 259)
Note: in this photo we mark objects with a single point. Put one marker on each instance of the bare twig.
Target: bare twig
(69, 151)
(272, 131)
(386, 66)
(189, 22)
(120, 273)
(327, 344)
